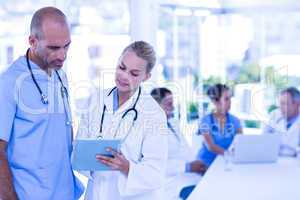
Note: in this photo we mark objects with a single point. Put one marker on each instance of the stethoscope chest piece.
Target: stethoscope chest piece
(44, 99)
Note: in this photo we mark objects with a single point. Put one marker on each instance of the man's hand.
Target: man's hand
(7, 190)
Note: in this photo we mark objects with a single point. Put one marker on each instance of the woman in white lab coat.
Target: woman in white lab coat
(178, 174)
(126, 112)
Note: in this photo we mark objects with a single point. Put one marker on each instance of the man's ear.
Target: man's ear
(32, 41)
(148, 75)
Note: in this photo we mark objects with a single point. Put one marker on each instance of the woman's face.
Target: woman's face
(224, 103)
(131, 72)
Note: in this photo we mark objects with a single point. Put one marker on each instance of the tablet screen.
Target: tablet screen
(84, 153)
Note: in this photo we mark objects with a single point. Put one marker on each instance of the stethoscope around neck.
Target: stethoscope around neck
(44, 98)
(132, 109)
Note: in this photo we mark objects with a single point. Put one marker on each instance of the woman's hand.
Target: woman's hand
(198, 167)
(117, 162)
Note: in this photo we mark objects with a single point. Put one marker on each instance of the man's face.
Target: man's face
(288, 107)
(167, 105)
(131, 71)
(51, 49)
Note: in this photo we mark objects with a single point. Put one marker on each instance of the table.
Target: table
(265, 181)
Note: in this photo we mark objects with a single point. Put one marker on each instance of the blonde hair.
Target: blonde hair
(143, 50)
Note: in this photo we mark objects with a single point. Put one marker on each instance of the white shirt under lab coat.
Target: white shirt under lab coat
(145, 148)
(289, 137)
(179, 153)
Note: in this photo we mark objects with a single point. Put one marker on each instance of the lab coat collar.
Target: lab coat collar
(285, 121)
(108, 101)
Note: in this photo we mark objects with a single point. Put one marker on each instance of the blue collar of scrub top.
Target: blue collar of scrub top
(291, 121)
(115, 100)
(214, 127)
(40, 75)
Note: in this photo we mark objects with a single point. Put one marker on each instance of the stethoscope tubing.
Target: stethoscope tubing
(44, 99)
(132, 109)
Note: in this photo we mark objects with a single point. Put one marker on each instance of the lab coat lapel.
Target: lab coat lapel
(292, 135)
(279, 124)
(282, 126)
(110, 120)
(108, 101)
(127, 122)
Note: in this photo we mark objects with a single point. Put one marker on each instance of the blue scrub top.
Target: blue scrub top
(222, 138)
(39, 141)
(115, 100)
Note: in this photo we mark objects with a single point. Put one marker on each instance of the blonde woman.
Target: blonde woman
(128, 113)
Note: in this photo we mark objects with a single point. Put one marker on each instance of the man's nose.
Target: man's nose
(61, 54)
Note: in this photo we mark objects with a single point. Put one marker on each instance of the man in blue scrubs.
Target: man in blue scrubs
(35, 128)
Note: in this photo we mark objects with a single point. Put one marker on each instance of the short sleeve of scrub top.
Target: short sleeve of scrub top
(8, 106)
(222, 139)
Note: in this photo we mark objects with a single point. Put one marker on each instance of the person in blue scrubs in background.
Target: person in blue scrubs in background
(219, 127)
(35, 120)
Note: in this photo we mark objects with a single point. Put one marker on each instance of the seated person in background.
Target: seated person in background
(178, 149)
(219, 127)
(287, 121)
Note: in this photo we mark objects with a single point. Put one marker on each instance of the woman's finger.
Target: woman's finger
(116, 154)
(110, 164)
(101, 157)
(113, 152)
(115, 161)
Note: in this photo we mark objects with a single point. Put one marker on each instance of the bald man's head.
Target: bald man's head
(46, 14)
(49, 38)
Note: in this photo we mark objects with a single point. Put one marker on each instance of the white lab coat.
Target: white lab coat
(289, 137)
(179, 153)
(145, 148)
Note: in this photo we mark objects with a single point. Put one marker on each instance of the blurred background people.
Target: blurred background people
(219, 127)
(286, 121)
(179, 172)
